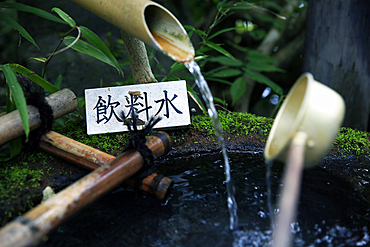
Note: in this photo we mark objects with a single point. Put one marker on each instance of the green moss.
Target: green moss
(18, 184)
(235, 123)
(108, 143)
(349, 141)
(19, 176)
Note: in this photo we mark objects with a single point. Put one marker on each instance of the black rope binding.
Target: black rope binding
(37, 99)
(137, 141)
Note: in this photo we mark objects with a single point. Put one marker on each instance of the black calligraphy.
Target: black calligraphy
(106, 109)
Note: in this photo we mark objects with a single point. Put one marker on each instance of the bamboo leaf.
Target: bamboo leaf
(218, 48)
(64, 16)
(58, 81)
(221, 101)
(84, 47)
(221, 31)
(261, 66)
(98, 43)
(254, 55)
(226, 61)
(263, 79)
(40, 59)
(218, 80)
(33, 10)
(201, 33)
(195, 97)
(237, 89)
(238, 7)
(228, 73)
(15, 148)
(176, 67)
(35, 78)
(10, 21)
(17, 95)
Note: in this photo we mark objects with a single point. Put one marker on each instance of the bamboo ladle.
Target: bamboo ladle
(303, 131)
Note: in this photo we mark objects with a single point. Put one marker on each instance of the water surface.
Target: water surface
(329, 214)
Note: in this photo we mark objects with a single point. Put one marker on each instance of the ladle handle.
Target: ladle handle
(290, 194)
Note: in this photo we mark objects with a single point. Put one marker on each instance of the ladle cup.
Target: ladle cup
(303, 131)
(311, 108)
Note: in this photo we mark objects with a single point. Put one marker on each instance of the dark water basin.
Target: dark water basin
(330, 212)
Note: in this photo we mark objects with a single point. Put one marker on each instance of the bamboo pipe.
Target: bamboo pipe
(31, 228)
(154, 185)
(148, 21)
(288, 201)
(11, 127)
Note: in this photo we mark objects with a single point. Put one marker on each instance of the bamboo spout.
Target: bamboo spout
(148, 21)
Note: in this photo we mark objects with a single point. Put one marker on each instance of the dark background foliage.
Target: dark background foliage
(266, 39)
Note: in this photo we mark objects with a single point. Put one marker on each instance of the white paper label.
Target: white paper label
(104, 106)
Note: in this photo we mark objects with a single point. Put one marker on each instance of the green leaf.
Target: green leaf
(124, 63)
(218, 48)
(261, 66)
(221, 101)
(98, 43)
(35, 78)
(195, 97)
(237, 89)
(176, 67)
(86, 48)
(33, 10)
(202, 50)
(239, 7)
(226, 61)
(10, 106)
(64, 16)
(18, 27)
(228, 73)
(39, 59)
(17, 95)
(263, 79)
(221, 31)
(218, 80)
(201, 33)
(254, 55)
(15, 148)
(58, 81)
(221, 4)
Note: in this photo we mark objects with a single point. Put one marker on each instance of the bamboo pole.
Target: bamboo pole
(154, 185)
(288, 202)
(31, 228)
(11, 127)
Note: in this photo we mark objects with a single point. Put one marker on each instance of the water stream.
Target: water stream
(269, 194)
(194, 69)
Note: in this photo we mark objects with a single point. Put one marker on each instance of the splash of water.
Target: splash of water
(194, 69)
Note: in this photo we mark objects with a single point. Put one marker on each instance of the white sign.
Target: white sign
(105, 106)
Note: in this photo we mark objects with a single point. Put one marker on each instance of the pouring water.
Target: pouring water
(194, 69)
